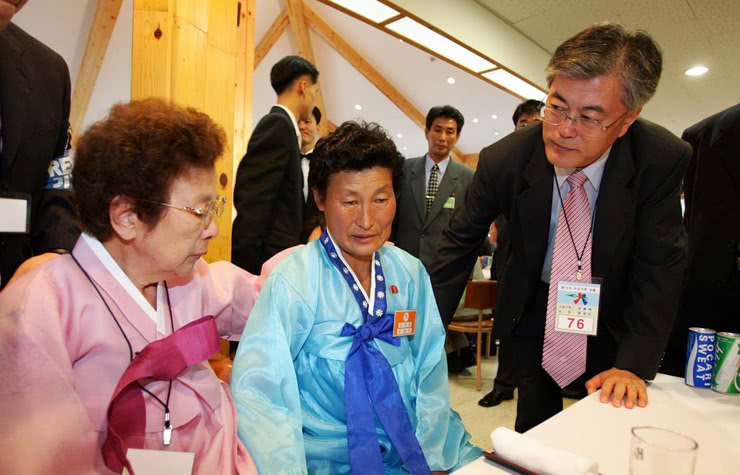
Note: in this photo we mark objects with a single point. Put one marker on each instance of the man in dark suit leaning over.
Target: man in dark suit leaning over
(433, 186)
(268, 194)
(34, 128)
(619, 219)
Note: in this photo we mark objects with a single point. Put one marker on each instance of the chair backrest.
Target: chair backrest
(481, 294)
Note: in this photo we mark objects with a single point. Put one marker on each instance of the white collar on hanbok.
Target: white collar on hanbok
(371, 299)
(157, 315)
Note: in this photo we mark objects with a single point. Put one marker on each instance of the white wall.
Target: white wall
(63, 25)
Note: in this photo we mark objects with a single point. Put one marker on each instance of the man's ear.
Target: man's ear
(629, 118)
(123, 217)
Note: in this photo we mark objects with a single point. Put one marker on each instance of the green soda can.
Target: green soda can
(726, 377)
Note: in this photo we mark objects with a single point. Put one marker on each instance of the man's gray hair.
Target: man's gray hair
(606, 48)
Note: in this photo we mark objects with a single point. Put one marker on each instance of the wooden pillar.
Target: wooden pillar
(200, 53)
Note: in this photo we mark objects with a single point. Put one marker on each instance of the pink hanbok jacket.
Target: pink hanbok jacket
(61, 355)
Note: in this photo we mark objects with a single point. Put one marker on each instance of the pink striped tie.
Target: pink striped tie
(564, 354)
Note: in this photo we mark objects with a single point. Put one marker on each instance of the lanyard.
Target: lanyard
(167, 431)
(579, 273)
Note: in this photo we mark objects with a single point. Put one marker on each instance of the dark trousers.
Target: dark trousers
(506, 379)
(540, 396)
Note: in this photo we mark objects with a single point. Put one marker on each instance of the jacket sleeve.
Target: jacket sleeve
(462, 240)
(55, 225)
(656, 272)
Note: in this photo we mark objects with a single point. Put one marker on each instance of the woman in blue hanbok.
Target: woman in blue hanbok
(341, 367)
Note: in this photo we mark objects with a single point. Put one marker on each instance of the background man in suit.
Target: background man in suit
(310, 128)
(432, 187)
(527, 113)
(34, 123)
(268, 194)
(619, 220)
(711, 296)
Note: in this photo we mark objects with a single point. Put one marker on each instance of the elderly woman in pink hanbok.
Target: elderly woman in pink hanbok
(105, 349)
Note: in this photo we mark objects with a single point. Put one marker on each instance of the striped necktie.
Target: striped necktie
(564, 354)
(432, 187)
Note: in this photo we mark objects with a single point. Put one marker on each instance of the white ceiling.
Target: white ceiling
(690, 32)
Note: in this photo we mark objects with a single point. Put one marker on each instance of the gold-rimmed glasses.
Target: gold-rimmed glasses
(586, 126)
(206, 213)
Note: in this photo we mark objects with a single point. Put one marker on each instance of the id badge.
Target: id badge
(15, 209)
(577, 308)
(404, 323)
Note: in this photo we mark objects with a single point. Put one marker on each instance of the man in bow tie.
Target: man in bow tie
(310, 128)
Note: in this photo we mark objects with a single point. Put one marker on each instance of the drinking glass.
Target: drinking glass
(661, 451)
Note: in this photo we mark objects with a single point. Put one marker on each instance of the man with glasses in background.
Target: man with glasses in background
(591, 197)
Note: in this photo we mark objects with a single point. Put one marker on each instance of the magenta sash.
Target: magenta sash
(160, 360)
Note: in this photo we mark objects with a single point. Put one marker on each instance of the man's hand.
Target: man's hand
(619, 384)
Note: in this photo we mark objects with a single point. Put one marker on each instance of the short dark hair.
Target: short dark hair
(606, 48)
(448, 112)
(288, 69)
(316, 114)
(528, 107)
(354, 146)
(138, 151)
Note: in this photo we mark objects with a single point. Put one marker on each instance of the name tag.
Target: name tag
(15, 208)
(404, 323)
(577, 309)
(160, 462)
(450, 203)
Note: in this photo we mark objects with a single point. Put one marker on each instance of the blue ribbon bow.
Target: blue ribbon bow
(369, 384)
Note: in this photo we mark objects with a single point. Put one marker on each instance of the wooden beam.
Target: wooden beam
(101, 30)
(296, 16)
(245, 66)
(366, 69)
(271, 36)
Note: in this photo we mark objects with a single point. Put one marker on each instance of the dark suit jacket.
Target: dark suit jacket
(268, 194)
(638, 238)
(414, 231)
(34, 103)
(712, 196)
(711, 295)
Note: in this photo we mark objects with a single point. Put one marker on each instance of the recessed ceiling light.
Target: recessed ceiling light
(405, 148)
(399, 135)
(497, 133)
(475, 120)
(494, 116)
(450, 80)
(358, 107)
(696, 71)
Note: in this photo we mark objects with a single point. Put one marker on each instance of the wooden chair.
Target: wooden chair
(481, 295)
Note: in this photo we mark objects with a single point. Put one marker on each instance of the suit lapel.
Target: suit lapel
(612, 205)
(534, 204)
(446, 187)
(419, 186)
(14, 76)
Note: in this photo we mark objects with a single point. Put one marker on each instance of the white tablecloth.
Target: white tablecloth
(602, 432)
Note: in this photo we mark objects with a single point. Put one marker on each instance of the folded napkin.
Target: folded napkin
(534, 456)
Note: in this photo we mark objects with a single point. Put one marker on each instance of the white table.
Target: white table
(602, 432)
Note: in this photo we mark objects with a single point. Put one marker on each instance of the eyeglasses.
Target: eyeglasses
(206, 213)
(584, 125)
